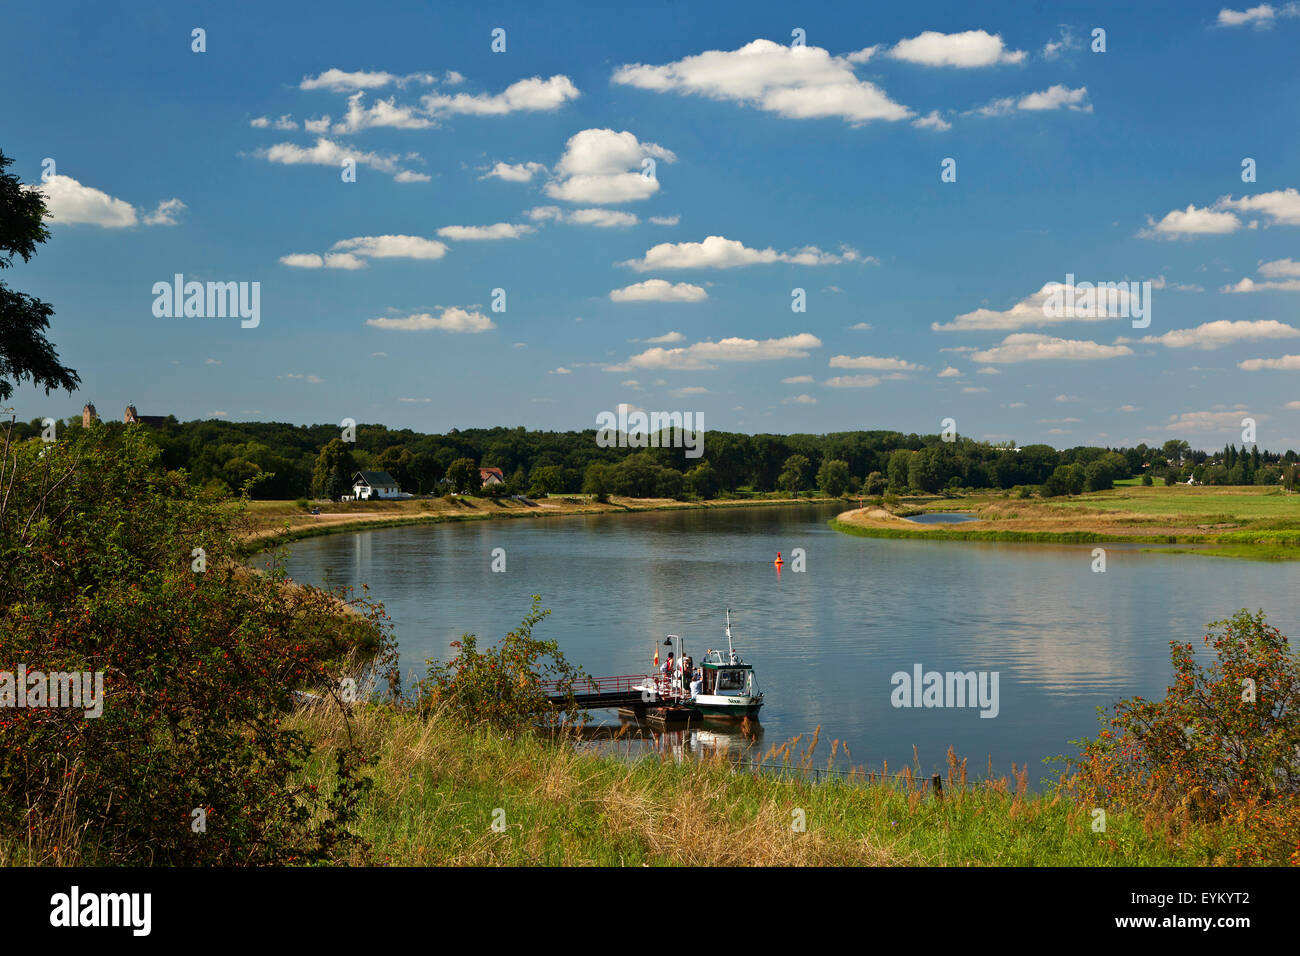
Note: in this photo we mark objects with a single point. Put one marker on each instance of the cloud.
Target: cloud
(1218, 420)
(1191, 222)
(872, 362)
(312, 379)
(659, 290)
(853, 381)
(1280, 207)
(500, 230)
(165, 213)
(797, 380)
(666, 338)
(601, 218)
(601, 166)
(688, 390)
(1280, 267)
(71, 202)
(416, 401)
(1090, 305)
(799, 400)
(384, 113)
(1287, 363)
(285, 122)
(1052, 98)
(1285, 271)
(665, 220)
(988, 371)
(516, 173)
(932, 120)
(973, 48)
(533, 95)
(860, 327)
(1028, 347)
(717, 252)
(1213, 335)
(326, 152)
(1052, 49)
(950, 372)
(333, 260)
(338, 81)
(393, 247)
(452, 319)
(705, 355)
(1261, 17)
(795, 82)
(974, 389)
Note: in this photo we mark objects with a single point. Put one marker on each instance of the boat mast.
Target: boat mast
(730, 650)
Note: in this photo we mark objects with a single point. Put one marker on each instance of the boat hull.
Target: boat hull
(736, 708)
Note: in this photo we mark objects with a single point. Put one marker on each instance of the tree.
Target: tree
(464, 475)
(598, 480)
(335, 467)
(833, 478)
(546, 480)
(897, 469)
(702, 480)
(794, 474)
(875, 484)
(25, 353)
(399, 463)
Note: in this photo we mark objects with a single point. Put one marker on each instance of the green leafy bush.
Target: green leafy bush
(508, 686)
(110, 564)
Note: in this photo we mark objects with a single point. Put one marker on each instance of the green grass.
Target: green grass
(438, 786)
(1234, 502)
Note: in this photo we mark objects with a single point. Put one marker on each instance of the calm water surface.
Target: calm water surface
(1063, 639)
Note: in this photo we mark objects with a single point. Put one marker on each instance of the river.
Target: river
(825, 641)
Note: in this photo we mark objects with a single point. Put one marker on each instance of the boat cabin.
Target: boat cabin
(724, 677)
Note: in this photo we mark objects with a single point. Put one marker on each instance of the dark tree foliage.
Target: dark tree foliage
(283, 458)
(25, 353)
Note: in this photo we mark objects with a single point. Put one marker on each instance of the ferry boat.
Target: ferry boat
(728, 687)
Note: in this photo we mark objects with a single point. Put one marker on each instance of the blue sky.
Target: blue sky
(776, 167)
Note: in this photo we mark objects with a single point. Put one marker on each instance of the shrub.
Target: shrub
(110, 564)
(1224, 743)
(507, 686)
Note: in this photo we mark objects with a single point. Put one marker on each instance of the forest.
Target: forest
(276, 460)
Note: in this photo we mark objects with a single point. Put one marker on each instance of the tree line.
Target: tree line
(285, 461)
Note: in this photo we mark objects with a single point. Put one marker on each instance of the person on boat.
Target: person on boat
(697, 682)
(667, 669)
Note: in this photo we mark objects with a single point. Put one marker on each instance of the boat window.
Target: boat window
(730, 681)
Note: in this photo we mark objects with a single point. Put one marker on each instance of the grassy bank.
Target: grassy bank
(1253, 522)
(437, 786)
(277, 522)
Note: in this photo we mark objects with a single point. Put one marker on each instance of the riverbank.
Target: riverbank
(272, 523)
(439, 787)
(1253, 522)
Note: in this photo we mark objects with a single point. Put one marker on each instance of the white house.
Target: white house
(491, 476)
(375, 484)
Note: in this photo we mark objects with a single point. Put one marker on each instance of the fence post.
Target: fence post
(938, 787)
